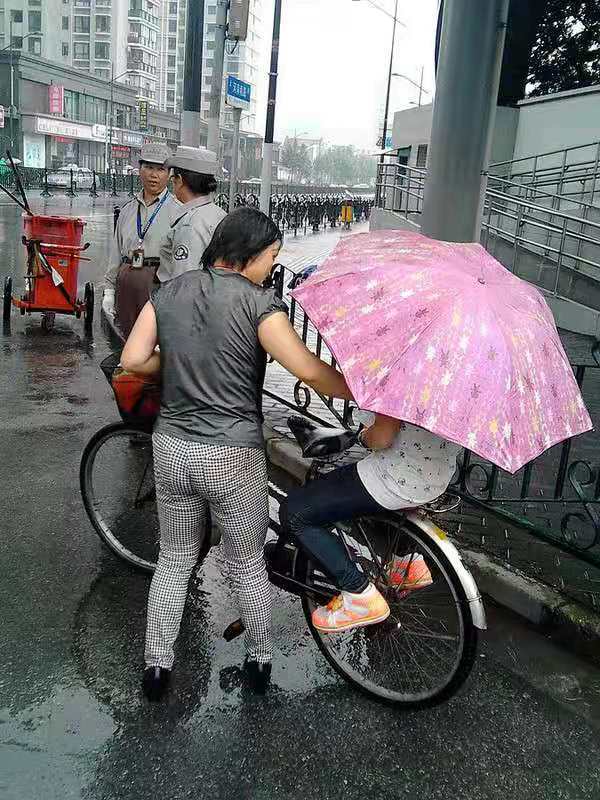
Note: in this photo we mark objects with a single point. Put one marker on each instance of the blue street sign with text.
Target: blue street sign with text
(238, 92)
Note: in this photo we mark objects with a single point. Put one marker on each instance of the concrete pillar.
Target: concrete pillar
(470, 58)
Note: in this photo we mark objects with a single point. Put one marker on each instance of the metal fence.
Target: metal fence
(74, 183)
(544, 521)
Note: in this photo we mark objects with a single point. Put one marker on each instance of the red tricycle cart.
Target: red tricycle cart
(53, 253)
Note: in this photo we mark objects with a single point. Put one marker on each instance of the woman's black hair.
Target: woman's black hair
(197, 182)
(240, 237)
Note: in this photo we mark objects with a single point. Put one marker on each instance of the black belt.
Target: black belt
(148, 262)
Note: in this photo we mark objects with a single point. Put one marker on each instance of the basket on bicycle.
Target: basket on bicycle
(137, 396)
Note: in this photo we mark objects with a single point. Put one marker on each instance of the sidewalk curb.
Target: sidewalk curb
(566, 621)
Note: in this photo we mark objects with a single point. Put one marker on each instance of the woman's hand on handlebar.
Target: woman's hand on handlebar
(281, 341)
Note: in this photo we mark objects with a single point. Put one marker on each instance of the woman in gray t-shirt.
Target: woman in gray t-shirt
(214, 326)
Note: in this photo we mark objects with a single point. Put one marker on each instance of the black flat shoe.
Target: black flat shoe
(155, 683)
(258, 676)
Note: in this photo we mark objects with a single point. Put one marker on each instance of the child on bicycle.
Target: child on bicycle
(407, 467)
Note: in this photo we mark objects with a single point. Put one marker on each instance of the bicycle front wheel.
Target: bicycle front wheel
(425, 650)
(117, 486)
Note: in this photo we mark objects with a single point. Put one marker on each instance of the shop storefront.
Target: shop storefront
(53, 142)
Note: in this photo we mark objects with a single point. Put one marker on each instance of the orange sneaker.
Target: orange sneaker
(349, 610)
(409, 572)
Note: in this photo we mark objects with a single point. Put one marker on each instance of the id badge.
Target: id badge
(137, 259)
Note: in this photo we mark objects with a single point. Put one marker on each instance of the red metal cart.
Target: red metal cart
(53, 254)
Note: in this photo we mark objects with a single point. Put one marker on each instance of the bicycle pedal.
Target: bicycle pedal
(234, 630)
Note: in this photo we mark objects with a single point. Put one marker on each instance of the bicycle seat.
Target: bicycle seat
(317, 441)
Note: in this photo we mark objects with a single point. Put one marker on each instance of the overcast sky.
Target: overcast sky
(334, 60)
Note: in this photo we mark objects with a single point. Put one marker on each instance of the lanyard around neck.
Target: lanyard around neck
(143, 231)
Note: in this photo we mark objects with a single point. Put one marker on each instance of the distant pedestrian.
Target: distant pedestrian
(193, 171)
(143, 223)
(214, 326)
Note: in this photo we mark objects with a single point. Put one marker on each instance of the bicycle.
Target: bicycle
(423, 652)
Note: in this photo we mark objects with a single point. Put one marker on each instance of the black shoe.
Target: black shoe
(155, 683)
(258, 676)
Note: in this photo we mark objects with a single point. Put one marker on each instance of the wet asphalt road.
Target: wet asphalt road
(72, 720)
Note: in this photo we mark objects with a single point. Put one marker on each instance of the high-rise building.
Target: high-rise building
(140, 42)
(244, 60)
(142, 48)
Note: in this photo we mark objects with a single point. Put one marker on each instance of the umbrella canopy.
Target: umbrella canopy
(442, 335)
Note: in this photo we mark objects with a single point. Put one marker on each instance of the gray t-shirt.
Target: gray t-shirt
(212, 363)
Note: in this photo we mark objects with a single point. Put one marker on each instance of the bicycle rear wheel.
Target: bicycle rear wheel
(117, 486)
(425, 650)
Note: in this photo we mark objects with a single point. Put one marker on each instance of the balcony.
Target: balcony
(136, 13)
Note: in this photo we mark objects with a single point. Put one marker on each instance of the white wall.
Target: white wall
(412, 127)
(564, 119)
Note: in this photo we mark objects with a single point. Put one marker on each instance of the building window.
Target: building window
(65, 23)
(212, 10)
(35, 21)
(171, 78)
(65, 49)
(82, 25)
(173, 8)
(35, 3)
(172, 43)
(102, 50)
(170, 96)
(422, 155)
(102, 24)
(16, 16)
(35, 47)
(102, 73)
(17, 42)
(171, 62)
(81, 50)
(172, 26)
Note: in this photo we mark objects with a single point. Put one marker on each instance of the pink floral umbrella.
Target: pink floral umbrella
(442, 335)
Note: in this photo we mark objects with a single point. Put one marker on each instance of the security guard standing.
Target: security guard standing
(142, 225)
(193, 171)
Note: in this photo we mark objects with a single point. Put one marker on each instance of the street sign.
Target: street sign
(143, 109)
(238, 93)
(1, 116)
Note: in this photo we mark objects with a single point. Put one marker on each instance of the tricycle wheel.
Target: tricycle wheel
(48, 320)
(7, 299)
(89, 307)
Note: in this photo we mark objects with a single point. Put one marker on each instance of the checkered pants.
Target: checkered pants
(190, 477)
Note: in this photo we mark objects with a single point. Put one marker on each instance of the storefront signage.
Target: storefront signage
(143, 109)
(78, 130)
(61, 127)
(56, 99)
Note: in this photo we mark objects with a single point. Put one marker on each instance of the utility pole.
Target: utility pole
(192, 85)
(233, 175)
(110, 120)
(12, 86)
(470, 59)
(216, 88)
(267, 162)
(389, 85)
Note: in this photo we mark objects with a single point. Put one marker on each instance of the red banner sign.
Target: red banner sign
(56, 99)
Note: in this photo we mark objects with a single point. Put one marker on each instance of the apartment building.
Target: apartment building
(246, 60)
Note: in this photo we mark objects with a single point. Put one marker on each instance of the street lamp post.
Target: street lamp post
(419, 85)
(108, 157)
(12, 108)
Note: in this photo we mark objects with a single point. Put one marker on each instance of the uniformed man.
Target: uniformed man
(142, 225)
(193, 171)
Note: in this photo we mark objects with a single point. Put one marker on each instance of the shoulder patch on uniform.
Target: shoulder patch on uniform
(181, 253)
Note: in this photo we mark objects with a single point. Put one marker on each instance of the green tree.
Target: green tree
(566, 53)
(294, 156)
